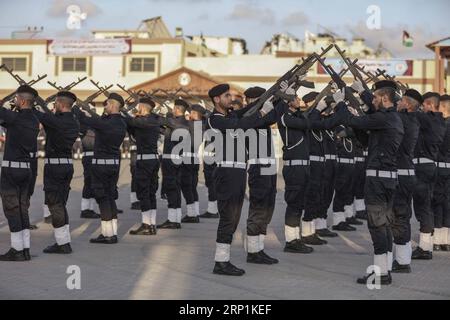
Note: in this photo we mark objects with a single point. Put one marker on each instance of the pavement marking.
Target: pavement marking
(352, 244)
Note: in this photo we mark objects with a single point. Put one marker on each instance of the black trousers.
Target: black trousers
(104, 184)
(34, 173)
(343, 186)
(441, 199)
(147, 183)
(57, 178)
(295, 181)
(230, 188)
(379, 198)
(314, 191)
(208, 170)
(14, 190)
(262, 192)
(196, 168)
(172, 183)
(133, 159)
(88, 192)
(187, 182)
(401, 224)
(328, 187)
(423, 193)
(359, 179)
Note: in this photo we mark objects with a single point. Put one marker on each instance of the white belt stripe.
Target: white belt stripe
(360, 159)
(296, 162)
(346, 160)
(88, 153)
(406, 172)
(15, 164)
(444, 165)
(381, 174)
(58, 161)
(422, 161)
(106, 161)
(330, 157)
(316, 159)
(171, 156)
(262, 161)
(231, 164)
(147, 156)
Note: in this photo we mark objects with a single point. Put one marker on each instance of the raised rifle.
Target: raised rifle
(352, 68)
(59, 88)
(292, 76)
(401, 86)
(341, 85)
(19, 80)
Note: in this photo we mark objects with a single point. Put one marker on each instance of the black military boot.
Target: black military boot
(354, 221)
(273, 260)
(187, 219)
(13, 255)
(326, 233)
(362, 215)
(208, 215)
(313, 240)
(136, 205)
(297, 246)
(445, 247)
(89, 214)
(26, 253)
(169, 225)
(258, 258)
(343, 226)
(436, 247)
(48, 220)
(384, 279)
(400, 268)
(57, 249)
(105, 240)
(144, 230)
(119, 211)
(227, 269)
(420, 254)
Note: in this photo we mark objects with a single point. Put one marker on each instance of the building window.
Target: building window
(74, 64)
(142, 65)
(16, 64)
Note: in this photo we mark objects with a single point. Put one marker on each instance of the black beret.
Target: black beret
(254, 92)
(118, 98)
(414, 94)
(310, 97)
(67, 94)
(384, 84)
(198, 108)
(431, 95)
(218, 90)
(27, 89)
(182, 103)
(147, 100)
(445, 97)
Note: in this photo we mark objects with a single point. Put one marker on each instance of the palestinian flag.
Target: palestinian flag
(407, 40)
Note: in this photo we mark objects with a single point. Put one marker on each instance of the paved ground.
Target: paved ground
(178, 264)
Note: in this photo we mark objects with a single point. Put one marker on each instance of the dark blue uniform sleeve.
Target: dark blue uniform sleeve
(7, 116)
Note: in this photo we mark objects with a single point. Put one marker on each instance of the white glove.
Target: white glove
(291, 91)
(267, 106)
(353, 111)
(284, 85)
(301, 77)
(339, 96)
(358, 86)
(322, 105)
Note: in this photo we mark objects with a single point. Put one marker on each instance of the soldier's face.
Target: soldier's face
(377, 100)
(428, 105)
(225, 100)
(195, 116)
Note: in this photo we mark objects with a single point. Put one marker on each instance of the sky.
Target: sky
(256, 21)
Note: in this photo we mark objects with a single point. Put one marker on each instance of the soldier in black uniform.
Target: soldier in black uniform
(262, 182)
(22, 131)
(145, 127)
(230, 174)
(293, 126)
(441, 196)
(88, 197)
(110, 130)
(197, 116)
(209, 165)
(359, 178)
(61, 131)
(386, 134)
(401, 227)
(135, 205)
(343, 185)
(171, 166)
(431, 136)
(441, 201)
